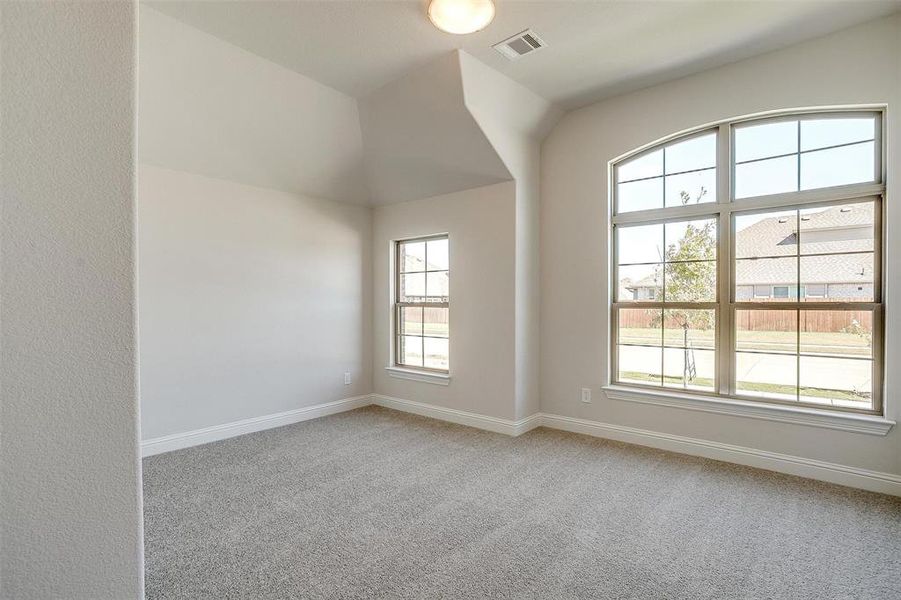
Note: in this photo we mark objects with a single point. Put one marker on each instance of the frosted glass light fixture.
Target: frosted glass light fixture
(461, 16)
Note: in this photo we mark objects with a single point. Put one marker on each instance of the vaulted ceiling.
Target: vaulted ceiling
(366, 102)
(595, 49)
(211, 108)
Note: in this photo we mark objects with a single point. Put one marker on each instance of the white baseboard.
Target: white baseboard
(886, 483)
(875, 481)
(461, 417)
(215, 433)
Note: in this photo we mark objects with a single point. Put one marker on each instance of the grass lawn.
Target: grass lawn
(747, 386)
(762, 341)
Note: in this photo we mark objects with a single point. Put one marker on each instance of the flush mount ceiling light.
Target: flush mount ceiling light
(461, 16)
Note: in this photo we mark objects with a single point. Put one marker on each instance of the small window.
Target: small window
(760, 291)
(815, 290)
(422, 301)
(780, 291)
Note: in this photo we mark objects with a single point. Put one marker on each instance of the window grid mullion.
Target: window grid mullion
(724, 332)
(798, 284)
(798, 165)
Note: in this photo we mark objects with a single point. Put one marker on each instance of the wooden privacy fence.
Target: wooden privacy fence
(811, 321)
(820, 321)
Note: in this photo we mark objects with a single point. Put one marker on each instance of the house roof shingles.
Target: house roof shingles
(771, 238)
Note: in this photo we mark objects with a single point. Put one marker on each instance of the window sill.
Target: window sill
(869, 424)
(423, 376)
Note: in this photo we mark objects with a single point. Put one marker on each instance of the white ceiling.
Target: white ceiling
(595, 49)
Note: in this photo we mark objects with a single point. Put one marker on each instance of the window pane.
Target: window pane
(694, 153)
(691, 240)
(688, 368)
(753, 276)
(641, 282)
(773, 331)
(639, 364)
(438, 258)
(837, 332)
(411, 320)
(412, 287)
(762, 141)
(766, 234)
(847, 277)
(410, 350)
(436, 322)
(694, 328)
(640, 195)
(764, 177)
(436, 353)
(837, 229)
(820, 133)
(691, 188)
(437, 286)
(838, 166)
(412, 256)
(767, 375)
(836, 381)
(647, 165)
(642, 244)
(690, 282)
(640, 326)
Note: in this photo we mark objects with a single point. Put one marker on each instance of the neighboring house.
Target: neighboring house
(836, 258)
(643, 289)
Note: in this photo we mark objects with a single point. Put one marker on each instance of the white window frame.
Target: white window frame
(397, 368)
(725, 209)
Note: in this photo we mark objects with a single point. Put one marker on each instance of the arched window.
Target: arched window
(747, 261)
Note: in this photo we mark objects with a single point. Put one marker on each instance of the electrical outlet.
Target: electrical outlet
(586, 395)
(347, 378)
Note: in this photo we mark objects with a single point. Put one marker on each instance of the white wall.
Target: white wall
(211, 108)
(252, 301)
(70, 472)
(515, 120)
(858, 65)
(253, 290)
(481, 228)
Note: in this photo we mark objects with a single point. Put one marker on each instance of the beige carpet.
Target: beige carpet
(379, 504)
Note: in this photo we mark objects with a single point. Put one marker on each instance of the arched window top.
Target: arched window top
(753, 157)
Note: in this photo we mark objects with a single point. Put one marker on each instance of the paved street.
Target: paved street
(820, 372)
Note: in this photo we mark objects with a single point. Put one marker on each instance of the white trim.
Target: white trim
(875, 481)
(415, 375)
(196, 437)
(886, 483)
(842, 421)
(461, 417)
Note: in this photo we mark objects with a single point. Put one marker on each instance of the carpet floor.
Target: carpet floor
(379, 504)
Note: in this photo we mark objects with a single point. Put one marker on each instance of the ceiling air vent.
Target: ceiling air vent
(524, 42)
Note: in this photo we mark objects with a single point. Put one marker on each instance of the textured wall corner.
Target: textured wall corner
(71, 503)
